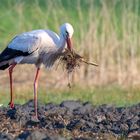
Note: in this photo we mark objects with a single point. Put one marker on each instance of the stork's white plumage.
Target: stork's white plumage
(35, 47)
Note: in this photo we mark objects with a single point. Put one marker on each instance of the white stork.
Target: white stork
(35, 47)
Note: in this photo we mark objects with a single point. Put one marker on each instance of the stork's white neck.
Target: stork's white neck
(62, 42)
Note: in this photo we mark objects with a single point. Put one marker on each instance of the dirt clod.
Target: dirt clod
(72, 119)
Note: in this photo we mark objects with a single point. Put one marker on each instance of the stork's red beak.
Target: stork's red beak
(69, 46)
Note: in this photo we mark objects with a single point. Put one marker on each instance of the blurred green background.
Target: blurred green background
(106, 32)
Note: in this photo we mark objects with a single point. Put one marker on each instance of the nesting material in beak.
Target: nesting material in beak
(71, 60)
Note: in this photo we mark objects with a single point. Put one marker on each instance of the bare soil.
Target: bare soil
(70, 120)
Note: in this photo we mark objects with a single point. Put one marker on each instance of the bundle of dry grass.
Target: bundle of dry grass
(71, 60)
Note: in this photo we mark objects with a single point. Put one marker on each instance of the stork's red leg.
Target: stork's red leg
(35, 92)
(11, 85)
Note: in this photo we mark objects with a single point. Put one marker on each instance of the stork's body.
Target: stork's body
(35, 47)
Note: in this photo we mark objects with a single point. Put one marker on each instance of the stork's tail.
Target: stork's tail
(3, 66)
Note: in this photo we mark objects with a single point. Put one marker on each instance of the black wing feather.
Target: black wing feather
(9, 53)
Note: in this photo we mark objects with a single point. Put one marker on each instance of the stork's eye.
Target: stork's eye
(67, 34)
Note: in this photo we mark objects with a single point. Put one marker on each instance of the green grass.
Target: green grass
(17, 16)
(105, 95)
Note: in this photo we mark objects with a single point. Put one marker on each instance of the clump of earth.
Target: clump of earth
(70, 120)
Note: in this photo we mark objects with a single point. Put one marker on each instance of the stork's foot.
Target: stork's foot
(35, 119)
(11, 104)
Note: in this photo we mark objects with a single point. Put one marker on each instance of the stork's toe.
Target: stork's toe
(35, 119)
(11, 104)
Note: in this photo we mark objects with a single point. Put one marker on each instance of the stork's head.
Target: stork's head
(67, 31)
